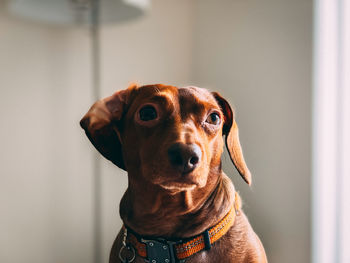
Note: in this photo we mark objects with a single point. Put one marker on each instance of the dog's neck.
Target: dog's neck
(152, 211)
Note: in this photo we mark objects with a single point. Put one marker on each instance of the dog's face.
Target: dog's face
(170, 136)
(173, 136)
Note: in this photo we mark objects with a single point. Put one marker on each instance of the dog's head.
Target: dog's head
(172, 137)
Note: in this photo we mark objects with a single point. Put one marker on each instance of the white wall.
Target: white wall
(258, 53)
(45, 189)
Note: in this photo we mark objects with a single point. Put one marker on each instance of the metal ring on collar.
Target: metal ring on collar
(125, 259)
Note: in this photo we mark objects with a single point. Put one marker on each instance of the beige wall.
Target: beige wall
(45, 189)
(257, 53)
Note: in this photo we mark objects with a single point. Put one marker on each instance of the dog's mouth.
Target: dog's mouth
(177, 187)
(183, 182)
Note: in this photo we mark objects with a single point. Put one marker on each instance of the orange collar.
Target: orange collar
(161, 250)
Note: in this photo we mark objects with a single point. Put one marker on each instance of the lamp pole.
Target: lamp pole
(96, 83)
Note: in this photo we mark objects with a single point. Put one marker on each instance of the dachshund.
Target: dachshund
(179, 205)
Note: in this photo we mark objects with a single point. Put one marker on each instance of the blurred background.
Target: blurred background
(59, 201)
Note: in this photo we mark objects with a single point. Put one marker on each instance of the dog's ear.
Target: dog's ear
(233, 145)
(101, 125)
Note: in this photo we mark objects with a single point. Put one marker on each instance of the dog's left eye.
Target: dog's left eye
(148, 113)
(214, 119)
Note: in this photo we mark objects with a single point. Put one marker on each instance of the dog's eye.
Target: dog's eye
(213, 118)
(148, 113)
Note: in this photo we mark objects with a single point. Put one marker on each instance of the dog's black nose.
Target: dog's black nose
(184, 157)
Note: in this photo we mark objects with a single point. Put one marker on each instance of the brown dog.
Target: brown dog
(179, 205)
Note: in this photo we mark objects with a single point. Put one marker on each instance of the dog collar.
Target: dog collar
(158, 250)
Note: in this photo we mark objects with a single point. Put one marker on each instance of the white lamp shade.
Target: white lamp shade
(68, 12)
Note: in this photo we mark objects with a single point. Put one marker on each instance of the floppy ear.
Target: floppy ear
(233, 145)
(101, 125)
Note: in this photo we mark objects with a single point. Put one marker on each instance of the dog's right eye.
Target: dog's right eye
(147, 113)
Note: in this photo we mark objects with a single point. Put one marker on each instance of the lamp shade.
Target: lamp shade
(68, 12)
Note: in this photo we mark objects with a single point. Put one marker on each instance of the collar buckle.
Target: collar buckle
(161, 251)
